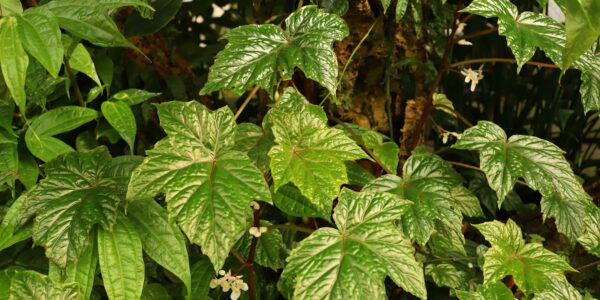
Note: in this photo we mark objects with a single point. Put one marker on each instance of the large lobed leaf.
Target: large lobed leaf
(257, 54)
(308, 153)
(81, 190)
(351, 262)
(533, 268)
(539, 162)
(208, 185)
(436, 193)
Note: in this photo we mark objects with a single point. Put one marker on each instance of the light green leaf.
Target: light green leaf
(9, 158)
(120, 117)
(352, 262)
(442, 99)
(532, 267)
(559, 290)
(208, 184)
(582, 28)
(81, 190)
(446, 275)
(428, 183)
(81, 271)
(80, 60)
(132, 97)
(13, 61)
(401, 6)
(33, 285)
(386, 4)
(539, 162)
(490, 291)
(357, 175)
(7, 109)
(590, 87)
(309, 154)
(202, 274)
(6, 276)
(305, 44)
(39, 138)
(466, 202)
(591, 239)
(40, 35)
(162, 241)
(89, 20)
(251, 139)
(10, 7)
(121, 260)
(269, 247)
(28, 168)
(569, 214)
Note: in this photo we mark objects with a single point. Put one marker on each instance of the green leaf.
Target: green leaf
(40, 35)
(155, 291)
(80, 60)
(352, 262)
(524, 32)
(591, 239)
(164, 12)
(582, 28)
(208, 184)
(490, 291)
(81, 190)
(532, 267)
(33, 285)
(357, 175)
(39, 138)
(270, 252)
(120, 117)
(6, 276)
(9, 158)
(7, 109)
(28, 168)
(121, 260)
(10, 234)
(446, 275)
(13, 61)
(305, 44)
(132, 97)
(10, 7)
(81, 271)
(559, 290)
(89, 20)
(251, 139)
(401, 6)
(162, 241)
(590, 87)
(428, 183)
(569, 214)
(442, 99)
(290, 200)
(309, 154)
(202, 274)
(386, 152)
(539, 162)
(338, 7)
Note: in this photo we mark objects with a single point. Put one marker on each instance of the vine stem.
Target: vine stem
(503, 60)
(362, 143)
(589, 265)
(479, 33)
(292, 227)
(467, 166)
(246, 101)
(362, 40)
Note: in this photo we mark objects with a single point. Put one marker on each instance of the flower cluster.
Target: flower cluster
(230, 282)
(472, 76)
(447, 134)
(257, 231)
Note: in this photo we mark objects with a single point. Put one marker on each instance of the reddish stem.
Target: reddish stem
(250, 260)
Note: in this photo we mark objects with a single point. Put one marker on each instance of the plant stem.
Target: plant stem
(452, 259)
(458, 115)
(362, 143)
(250, 261)
(73, 82)
(589, 265)
(239, 256)
(292, 227)
(349, 60)
(499, 59)
(246, 101)
(479, 33)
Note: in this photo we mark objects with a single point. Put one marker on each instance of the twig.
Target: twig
(239, 256)
(478, 33)
(292, 227)
(362, 143)
(246, 101)
(503, 60)
(588, 265)
(250, 261)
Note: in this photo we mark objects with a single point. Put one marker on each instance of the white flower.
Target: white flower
(470, 265)
(255, 205)
(472, 76)
(229, 282)
(447, 134)
(257, 231)
(464, 42)
(459, 30)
